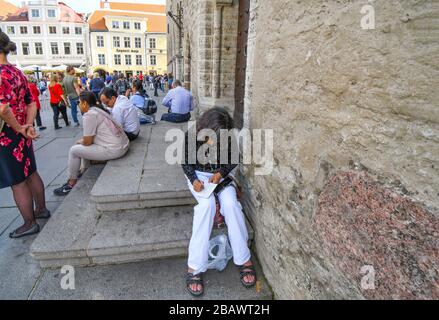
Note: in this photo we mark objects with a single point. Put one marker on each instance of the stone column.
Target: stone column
(217, 46)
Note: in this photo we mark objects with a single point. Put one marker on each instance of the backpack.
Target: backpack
(150, 107)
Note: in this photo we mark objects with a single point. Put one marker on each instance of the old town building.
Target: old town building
(128, 38)
(47, 33)
(350, 207)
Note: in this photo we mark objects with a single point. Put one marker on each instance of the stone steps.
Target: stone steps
(142, 179)
(77, 234)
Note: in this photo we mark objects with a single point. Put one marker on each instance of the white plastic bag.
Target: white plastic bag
(220, 252)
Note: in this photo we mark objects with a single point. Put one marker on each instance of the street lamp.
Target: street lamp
(38, 72)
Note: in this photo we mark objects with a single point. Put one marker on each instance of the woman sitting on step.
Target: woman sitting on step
(198, 175)
(103, 140)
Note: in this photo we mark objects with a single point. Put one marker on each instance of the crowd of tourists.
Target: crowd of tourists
(110, 119)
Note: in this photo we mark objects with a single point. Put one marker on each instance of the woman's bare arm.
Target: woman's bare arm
(7, 115)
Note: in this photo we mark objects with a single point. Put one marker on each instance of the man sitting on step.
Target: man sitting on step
(180, 103)
(123, 111)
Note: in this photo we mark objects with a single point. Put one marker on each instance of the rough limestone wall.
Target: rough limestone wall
(191, 10)
(356, 121)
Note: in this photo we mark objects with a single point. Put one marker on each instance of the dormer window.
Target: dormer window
(35, 13)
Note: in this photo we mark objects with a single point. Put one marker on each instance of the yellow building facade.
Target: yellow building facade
(128, 38)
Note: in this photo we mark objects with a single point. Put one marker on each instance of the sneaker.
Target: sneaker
(64, 190)
(57, 128)
(77, 124)
(42, 128)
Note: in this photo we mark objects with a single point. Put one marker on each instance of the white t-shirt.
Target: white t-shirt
(98, 126)
(125, 113)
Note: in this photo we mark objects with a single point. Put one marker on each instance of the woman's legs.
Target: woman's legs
(36, 187)
(55, 114)
(63, 110)
(93, 152)
(237, 229)
(238, 235)
(204, 214)
(24, 200)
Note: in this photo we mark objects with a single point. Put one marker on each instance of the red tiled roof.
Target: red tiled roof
(6, 8)
(67, 14)
(143, 7)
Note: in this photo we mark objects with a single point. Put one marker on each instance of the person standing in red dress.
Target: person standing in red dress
(36, 97)
(18, 168)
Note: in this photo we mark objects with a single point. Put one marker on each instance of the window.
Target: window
(116, 42)
(126, 24)
(152, 43)
(139, 60)
(35, 13)
(115, 24)
(138, 42)
(51, 13)
(25, 48)
(67, 49)
(128, 59)
(100, 41)
(137, 25)
(153, 60)
(78, 30)
(11, 30)
(127, 42)
(65, 30)
(52, 30)
(38, 48)
(54, 47)
(79, 48)
(101, 58)
(117, 59)
(37, 30)
(23, 30)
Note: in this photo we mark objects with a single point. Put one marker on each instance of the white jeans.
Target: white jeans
(204, 214)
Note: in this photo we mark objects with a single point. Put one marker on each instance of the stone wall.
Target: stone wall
(355, 114)
(356, 120)
(203, 34)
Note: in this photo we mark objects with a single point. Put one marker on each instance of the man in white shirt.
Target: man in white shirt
(123, 111)
(180, 103)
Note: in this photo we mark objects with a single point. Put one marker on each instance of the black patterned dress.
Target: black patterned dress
(17, 159)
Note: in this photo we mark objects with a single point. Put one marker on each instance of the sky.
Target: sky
(87, 6)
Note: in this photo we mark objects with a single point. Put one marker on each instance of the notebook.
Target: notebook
(207, 191)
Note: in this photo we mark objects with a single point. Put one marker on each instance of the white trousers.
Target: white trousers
(81, 155)
(204, 214)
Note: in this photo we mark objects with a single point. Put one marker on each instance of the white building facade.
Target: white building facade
(47, 33)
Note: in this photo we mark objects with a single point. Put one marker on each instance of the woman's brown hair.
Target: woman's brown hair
(6, 45)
